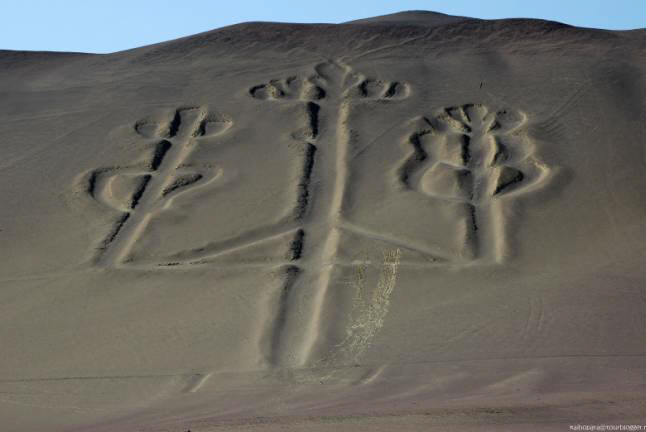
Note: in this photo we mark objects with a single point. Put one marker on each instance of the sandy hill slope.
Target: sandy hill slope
(425, 18)
(411, 222)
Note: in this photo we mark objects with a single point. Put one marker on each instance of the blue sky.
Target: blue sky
(105, 26)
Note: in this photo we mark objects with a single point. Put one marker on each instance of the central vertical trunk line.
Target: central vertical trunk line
(319, 331)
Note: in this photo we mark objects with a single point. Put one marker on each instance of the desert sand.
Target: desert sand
(414, 222)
